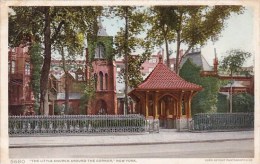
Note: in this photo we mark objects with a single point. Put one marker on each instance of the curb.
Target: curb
(125, 144)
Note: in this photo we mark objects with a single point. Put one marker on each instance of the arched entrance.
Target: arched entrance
(101, 107)
(167, 110)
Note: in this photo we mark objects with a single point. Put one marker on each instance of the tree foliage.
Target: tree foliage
(206, 100)
(243, 102)
(189, 25)
(130, 43)
(128, 40)
(35, 53)
(233, 62)
(47, 25)
(223, 104)
(107, 41)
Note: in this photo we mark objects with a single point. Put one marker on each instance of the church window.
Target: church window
(95, 80)
(106, 81)
(9, 67)
(13, 66)
(27, 68)
(101, 80)
(153, 60)
(99, 51)
(80, 77)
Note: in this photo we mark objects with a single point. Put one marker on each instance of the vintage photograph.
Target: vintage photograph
(128, 83)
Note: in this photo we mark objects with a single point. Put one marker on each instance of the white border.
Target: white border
(4, 60)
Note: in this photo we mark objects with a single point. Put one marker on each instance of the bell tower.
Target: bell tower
(99, 56)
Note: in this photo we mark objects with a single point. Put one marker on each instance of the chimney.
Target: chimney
(215, 62)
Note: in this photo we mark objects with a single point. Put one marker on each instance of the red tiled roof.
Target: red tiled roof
(163, 78)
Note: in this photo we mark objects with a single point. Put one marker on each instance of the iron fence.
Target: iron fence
(75, 124)
(222, 121)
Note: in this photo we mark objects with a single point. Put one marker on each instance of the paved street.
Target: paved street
(167, 144)
(222, 149)
(165, 136)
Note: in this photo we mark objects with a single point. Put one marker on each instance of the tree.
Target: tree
(44, 24)
(222, 105)
(127, 41)
(69, 45)
(160, 31)
(36, 61)
(206, 100)
(243, 102)
(191, 25)
(232, 63)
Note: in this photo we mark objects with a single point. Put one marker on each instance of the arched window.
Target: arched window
(100, 51)
(9, 67)
(95, 80)
(13, 67)
(101, 80)
(106, 81)
(27, 68)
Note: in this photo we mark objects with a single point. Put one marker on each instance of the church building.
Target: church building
(100, 66)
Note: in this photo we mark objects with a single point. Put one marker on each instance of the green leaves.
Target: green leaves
(130, 42)
(187, 25)
(243, 102)
(206, 100)
(234, 61)
(36, 60)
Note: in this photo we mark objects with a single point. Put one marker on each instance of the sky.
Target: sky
(238, 34)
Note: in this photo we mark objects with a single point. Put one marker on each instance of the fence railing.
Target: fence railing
(76, 124)
(222, 121)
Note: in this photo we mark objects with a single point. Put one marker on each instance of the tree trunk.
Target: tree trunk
(44, 108)
(66, 81)
(167, 53)
(177, 69)
(46, 104)
(126, 60)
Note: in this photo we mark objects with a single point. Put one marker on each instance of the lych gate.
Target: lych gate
(166, 96)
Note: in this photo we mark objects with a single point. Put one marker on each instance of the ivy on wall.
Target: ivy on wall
(36, 62)
(206, 100)
(107, 41)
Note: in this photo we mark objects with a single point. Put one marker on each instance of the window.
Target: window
(99, 51)
(106, 81)
(27, 68)
(153, 60)
(13, 66)
(101, 80)
(9, 67)
(80, 77)
(118, 69)
(95, 80)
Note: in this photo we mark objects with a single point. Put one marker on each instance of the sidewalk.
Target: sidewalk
(165, 136)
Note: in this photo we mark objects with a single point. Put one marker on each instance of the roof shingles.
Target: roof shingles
(163, 78)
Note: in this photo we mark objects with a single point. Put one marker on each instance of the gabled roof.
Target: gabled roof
(163, 78)
(198, 59)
